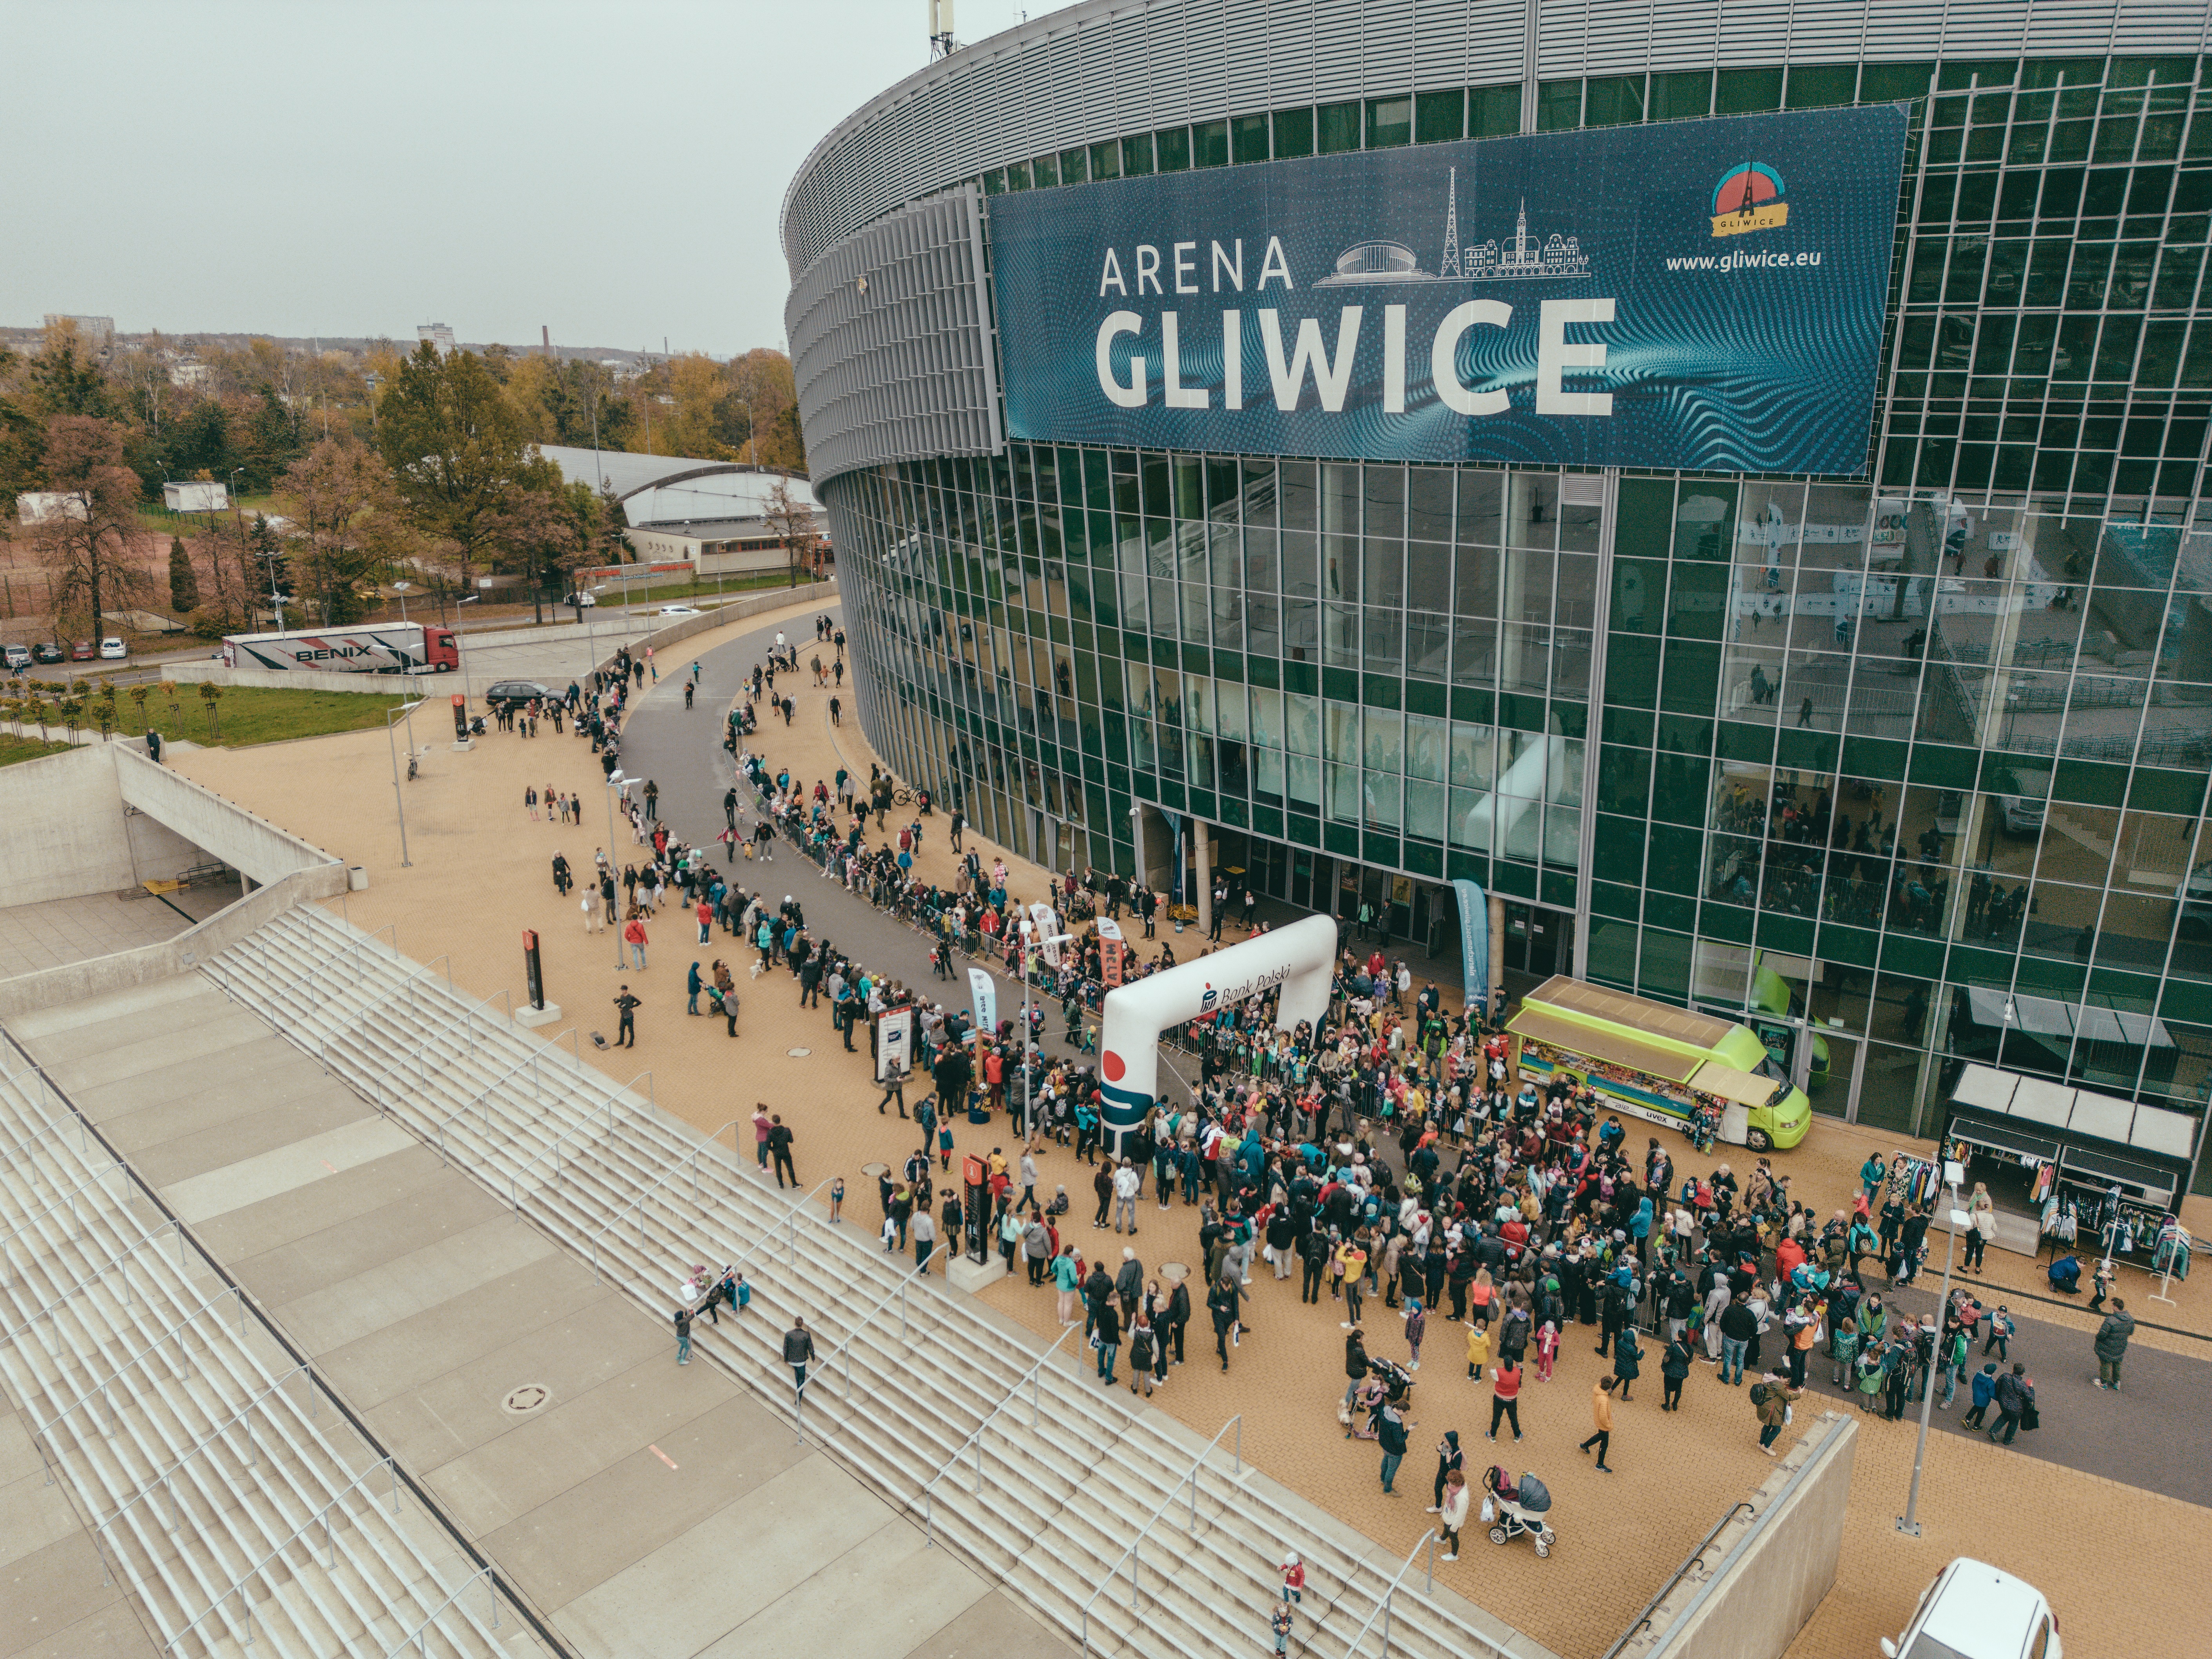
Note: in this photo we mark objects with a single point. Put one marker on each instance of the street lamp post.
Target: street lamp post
(405, 711)
(402, 589)
(1909, 1522)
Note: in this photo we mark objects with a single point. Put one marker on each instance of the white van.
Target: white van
(1976, 1611)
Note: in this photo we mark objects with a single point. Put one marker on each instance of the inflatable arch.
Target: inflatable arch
(1300, 958)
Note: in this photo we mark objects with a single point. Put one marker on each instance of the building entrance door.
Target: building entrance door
(1537, 941)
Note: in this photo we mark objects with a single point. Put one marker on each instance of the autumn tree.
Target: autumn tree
(457, 451)
(352, 526)
(84, 546)
(540, 538)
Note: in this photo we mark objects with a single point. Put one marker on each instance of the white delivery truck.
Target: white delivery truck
(380, 648)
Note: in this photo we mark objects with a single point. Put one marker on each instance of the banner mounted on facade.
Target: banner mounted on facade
(1473, 943)
(1703, 294)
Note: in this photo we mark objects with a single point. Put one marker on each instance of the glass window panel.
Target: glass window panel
(1675, 96)
(1389, 122)
(1247, 138)
(1559, 106)
(1338, 127)
(1425, 809)
(1439, 116)
(1294, 132)
(1473, 755)
(1493, 112)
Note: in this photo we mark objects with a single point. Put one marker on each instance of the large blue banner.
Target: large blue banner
(1473, 943)
(1689, 293)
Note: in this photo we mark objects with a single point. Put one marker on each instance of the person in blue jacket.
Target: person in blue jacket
(2066, 1275)
(1985, 1390)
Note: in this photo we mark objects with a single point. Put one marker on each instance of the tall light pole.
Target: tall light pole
(1909, 1523)
(402, 589)
(404, 711)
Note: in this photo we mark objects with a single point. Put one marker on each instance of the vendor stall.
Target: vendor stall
(2070, 1167)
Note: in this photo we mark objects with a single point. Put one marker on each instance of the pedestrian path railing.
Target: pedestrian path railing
(843, 1352)
(242, 1585)
(317, 970)
(481, 1100)
(1190, 1478)
(241, 1418)
(1694, 1559)
(52, 1308)
(323, 1049)
(1382, 1611)
(514, 1182)
(419, 1637)
(1035, 1377)
(67, 1201)
(183, 1354)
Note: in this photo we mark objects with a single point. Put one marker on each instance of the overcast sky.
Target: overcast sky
(612, 168)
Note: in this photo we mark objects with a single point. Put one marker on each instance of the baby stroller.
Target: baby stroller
(1519, 1509)
(1387, 1383)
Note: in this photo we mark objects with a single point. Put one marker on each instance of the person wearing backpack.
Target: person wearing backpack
(1770, 1400)
(1674, 1369)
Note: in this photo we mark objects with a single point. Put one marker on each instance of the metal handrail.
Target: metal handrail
(1689, 1561)
(1390, 1591)
(239, 1585)
(552, 1149)
(692, 1160)
(790, 1222)
(53, 1303)
(420, 1635)
(352, 947)
(1035, 1377)
(1130, 1555)
(843, 1352)
(46, 1123)
(481, 1094)
(153, 1347)
(67, 1198)
(244, 1412)
(323, 1049)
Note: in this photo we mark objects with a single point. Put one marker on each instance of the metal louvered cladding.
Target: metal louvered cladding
(889, 338)
(1111, 67)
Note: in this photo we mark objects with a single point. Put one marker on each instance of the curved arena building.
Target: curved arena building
(1714, 487)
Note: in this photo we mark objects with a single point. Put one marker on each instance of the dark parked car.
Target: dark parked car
(47, 651)
(509, 693)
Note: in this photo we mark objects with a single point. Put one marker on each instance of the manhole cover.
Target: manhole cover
(529, 1397)
(798, 1054)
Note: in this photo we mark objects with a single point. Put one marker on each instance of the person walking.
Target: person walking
(1390, 1426)
(1223, 1302)
(1126, 1183)
(1144, 1354)
(894, 1089)
(1451, 1516)
(1739, 1325)
(1506, 1396)
(1770, 1400)
(626, 1008)
(1279, 1623)
(2015, 1397)
(924, 1238)
(1673, 1370)
(1601, 1418)
(1068, 1281)
(1128, 1285)
(798, 1354)
(634, 935)
(2112, 1343)
(684, 1336)
(1627, 1359)
(779, 1146)
(1984, 1392)
(1417, 1325)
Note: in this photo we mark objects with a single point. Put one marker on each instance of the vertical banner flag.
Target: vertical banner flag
(1046, 920)
(985, 991)
(1109, 951)
(1473, 942)
(1175, 892)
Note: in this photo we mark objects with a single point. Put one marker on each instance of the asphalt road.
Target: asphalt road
(2148, 1435)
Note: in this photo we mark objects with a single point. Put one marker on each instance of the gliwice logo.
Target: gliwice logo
(1750, 197)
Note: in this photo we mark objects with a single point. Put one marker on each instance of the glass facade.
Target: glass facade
(1922, 759)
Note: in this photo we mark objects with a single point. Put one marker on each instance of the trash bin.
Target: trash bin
(356, 878)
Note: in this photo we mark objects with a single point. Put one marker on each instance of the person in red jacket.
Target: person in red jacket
(1294, 1579)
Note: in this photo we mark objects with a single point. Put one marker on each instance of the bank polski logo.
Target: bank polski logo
(1749, 198)
(1206, 1002)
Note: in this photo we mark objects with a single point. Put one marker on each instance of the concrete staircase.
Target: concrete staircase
(643, 1197)
(236, 1504)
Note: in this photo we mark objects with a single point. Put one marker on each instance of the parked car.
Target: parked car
(2019, 815)
(579, 598)
(47, 651)
(17, 657)
(112, 649)
(83, 651)
(679, 611)
(1976, 1611)
(506, 693)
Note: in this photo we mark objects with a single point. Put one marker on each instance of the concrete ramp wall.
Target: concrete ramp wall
(1755, 1583)
(246, 842)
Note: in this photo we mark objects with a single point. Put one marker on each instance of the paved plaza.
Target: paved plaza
(57, 932)
(480, 876)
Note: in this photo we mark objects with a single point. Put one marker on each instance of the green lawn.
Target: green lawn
(14, 748)
(245, 715)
